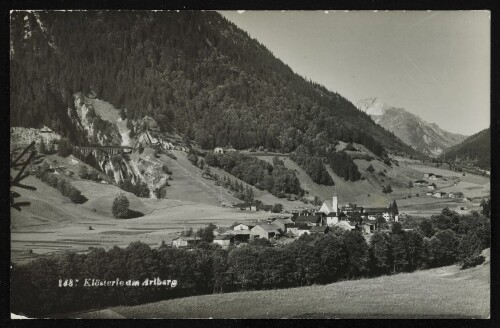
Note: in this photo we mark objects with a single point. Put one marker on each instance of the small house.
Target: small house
(266, 231)
(432, 186)
(218, 150)
(457, 194)
(332, 219)
(243, 226)
(265, 208)
(420, 183)
(310, 220)
(247, 206)
(183, 241)
(241, 236)
(346, 225)
(429, 193)
(284, 223)
(439, 194)
(427, 175)
(300, 230)
(319, 230)
(369, 227)
(224, 240)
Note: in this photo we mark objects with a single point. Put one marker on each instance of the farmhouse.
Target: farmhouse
(185, 241)
(351, 208)
(369, 227)
(439, 194)
(265, 208)
(420, 183)
(300, 229)
(242, 236)
(310, 220)
(247, 206)
(432, 186)
(218, 150)
(243, 226)
(224, 240)
(319, 230)
(427, 175)
(284, 223)
(457, 194)
(332, 219)
(266, 231)
(346, 225)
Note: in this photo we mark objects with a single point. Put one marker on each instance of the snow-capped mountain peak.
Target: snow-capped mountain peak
(426, 137)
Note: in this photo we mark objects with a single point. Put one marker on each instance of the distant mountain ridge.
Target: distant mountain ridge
(425, 137)
(476, 150)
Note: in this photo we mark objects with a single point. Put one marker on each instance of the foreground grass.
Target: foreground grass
(438, 293)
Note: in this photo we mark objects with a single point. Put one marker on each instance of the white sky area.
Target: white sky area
(435, 64)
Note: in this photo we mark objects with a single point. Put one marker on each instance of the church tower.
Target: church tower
(335, 204)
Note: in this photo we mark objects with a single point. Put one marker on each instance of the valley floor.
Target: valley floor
(445, 292)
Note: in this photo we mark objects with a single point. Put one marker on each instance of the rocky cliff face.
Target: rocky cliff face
(426, 137)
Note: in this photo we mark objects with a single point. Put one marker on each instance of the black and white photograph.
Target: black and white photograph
(250, 164)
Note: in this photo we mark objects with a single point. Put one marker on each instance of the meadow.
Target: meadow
(440, 293)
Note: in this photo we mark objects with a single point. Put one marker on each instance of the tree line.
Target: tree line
(445, 239)
(277, 179)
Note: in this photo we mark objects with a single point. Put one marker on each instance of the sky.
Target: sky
(435, 64)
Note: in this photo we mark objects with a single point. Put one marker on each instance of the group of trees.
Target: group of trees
(89, 174)
(311, 259)
(194, 72)
(276, 179)
(343, 165)
(313, 165)
(44, 173)
(139, 188)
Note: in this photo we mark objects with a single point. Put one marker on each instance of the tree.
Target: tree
(65, 147)
(394, 208)
(370, 169)
(379, 254)
(248, 194)
(120, 208)
(21, 165)
(387, 189)
(42, 149)
(426, 227)
(207, 233)
(358, 254)
(84, 172)
(399, 256)
(486, 207)
(193, 158)
(277, 208)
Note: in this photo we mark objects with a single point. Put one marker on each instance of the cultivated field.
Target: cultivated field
(438, 293)
(52, 223)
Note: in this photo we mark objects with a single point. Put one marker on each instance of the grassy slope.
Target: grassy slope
(438, 293)
(53, 223)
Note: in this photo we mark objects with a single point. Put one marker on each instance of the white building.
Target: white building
(327, 209)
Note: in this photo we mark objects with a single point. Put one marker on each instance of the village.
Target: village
(292, 224)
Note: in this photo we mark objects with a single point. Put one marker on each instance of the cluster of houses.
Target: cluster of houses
(348, 217)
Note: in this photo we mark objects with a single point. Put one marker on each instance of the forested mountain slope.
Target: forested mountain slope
(474, 150)
(195, 73)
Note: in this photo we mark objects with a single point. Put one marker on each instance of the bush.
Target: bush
(120, 208)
